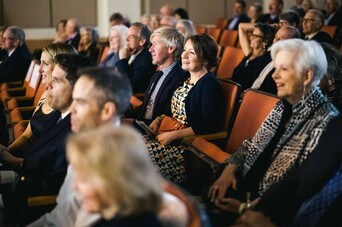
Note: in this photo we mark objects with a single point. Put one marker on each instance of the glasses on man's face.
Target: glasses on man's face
(130, 37)
(306, 20)
(257, 36)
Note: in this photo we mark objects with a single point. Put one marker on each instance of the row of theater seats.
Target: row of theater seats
(20, 99)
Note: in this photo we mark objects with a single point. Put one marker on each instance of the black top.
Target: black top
(92, 53)
(142, 220)
(247, 71)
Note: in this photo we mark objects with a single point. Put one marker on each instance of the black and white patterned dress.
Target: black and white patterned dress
(169, 159)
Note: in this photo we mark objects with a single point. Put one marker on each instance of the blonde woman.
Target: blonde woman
(43, 111)
(115, 177)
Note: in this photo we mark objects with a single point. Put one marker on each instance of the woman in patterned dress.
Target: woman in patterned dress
(197, 103)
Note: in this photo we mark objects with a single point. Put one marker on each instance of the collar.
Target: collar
(168, 69)
(11, 52)
(65, 114)
(309, 37)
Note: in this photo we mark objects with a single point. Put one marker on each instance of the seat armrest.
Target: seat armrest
(213, 136)
(41, 200)
(211, 150)
(135, 102)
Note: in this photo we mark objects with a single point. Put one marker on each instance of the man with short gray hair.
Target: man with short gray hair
(15, 64)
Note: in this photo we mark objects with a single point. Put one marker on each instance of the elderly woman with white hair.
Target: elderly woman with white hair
(290, 132)
(117, 40)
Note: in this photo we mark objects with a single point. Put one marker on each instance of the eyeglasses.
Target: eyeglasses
(257, 36)
(306, 20)
(132, 37)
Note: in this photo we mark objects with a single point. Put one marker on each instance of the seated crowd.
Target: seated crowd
(82, 151)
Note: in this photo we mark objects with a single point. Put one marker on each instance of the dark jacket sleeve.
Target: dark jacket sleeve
(204, 106)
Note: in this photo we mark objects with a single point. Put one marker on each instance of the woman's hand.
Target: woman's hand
(255, 219)
(167, 137)
(228, 204)
(226, 180)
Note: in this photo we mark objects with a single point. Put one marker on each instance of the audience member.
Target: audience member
(88, 44)
(309, 4)
(106, 182)
(186, 27)
(135, 60)
(265, 82)
(155, 22)
(292, 201)
(44, 166)
(100, 97)
(197, 103)
(254, 12)
(3, 52)
(72, 32)
(239, 15)
(145, 19)
(288, 135)
(331, 83)
(298, 8)
(17, 60)
(43, 113)
(334, 15)
(312, 23)
(116, 19)
(166, 10)
(289, 18)
(166, 49)
(255, 50)
(117, 40)
(60, 36)
(181, 13)
(168, 21)
(275, 7)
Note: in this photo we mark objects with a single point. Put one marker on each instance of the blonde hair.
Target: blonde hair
(59, 48)
(116, 160)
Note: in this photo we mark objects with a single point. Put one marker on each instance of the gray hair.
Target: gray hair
(17, 33)
(145, 32)
(188, 26)
(171, 38)
(122, 30)
(309, 55)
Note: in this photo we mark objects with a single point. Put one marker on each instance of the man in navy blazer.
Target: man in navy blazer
(135, 60)
(15, 64)
(44, 166)
(312, 23)
(239, 15)
(282, 202)
(166, 49)
(275, 7)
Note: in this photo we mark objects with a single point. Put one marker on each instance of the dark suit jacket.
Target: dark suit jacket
(45, 166)
(75, 41)
(282, 201)
(162, 104)
(323, 37)
(266, 18)
(336, 19)
(242, 19)
(139, 71)
(14, 68)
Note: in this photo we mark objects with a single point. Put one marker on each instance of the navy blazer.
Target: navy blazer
(282, 201)
(336, 20)
(323, 37)
(139, 71)
(45, 166)
(242, 19)
(266, 18)
(162, 104)
(14, 67)
(204, 105)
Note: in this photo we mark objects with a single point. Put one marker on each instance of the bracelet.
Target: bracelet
(242, 208)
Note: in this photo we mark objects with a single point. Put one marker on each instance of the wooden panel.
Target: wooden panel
(83, 10)
(204, 11)
(156, 4)
(26, 14)
(37, 44)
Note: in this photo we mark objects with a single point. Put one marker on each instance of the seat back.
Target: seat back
(255, 107)
(231, 57)
(34, 82)
(221, 23)
(330, 29)
(29, 73)
(201, 29)
(231, 93)
(104, 53)
(214, 32)
(41, 89)
(228, 38)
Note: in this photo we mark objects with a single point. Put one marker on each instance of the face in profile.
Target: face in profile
(159, 52)
(46, 67)
(133, 41)
(59, 90)
(289, 83)
(190, 60)
(310, 23)
(114, 41)
(85, 111)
